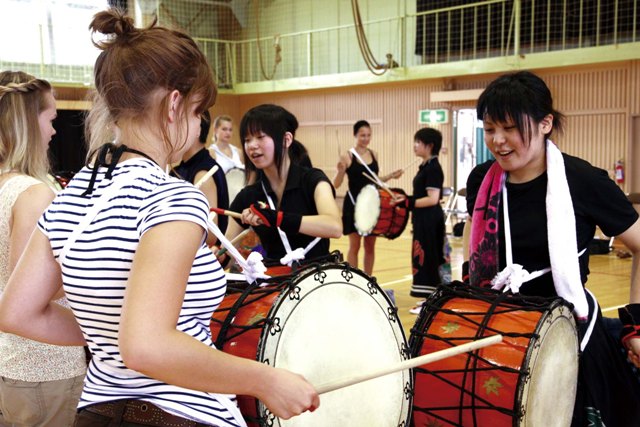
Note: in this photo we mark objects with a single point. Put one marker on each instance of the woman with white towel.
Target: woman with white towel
(555, 201)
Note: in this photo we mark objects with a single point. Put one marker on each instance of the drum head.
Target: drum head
(548, 394)
(367, 210)
(335, 323)
(235, 182)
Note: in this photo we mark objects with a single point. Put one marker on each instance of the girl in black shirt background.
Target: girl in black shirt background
(287, 196)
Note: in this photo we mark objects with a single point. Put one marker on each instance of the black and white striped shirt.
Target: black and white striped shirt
(95, 272)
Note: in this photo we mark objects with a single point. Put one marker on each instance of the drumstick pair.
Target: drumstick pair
(226, 212)
(233, 241)
(411, 164)
(408, 364)
(233, 214)
(385, 188)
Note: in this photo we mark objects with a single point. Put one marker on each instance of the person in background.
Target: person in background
(427, 217)
(195, 164)
(127, 241)
(534, 211)
(354, 169)
(225, 153)
(228, 156)
(286, 196)
(40, 384)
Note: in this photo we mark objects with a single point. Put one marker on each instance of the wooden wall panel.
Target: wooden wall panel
(634, 87)
(598, 102)
(593, 89)
(600, 139)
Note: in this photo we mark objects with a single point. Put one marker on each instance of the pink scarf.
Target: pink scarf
(483, 244)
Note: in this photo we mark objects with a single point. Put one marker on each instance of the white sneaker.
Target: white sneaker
(416, 308)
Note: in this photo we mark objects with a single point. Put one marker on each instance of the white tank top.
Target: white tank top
(226, 162)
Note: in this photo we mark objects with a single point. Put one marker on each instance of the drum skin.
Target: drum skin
(235, 182)
(315, 323)
(375, 215)
(529, 379)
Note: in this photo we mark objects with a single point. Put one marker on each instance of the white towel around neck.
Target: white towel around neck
(561, 229)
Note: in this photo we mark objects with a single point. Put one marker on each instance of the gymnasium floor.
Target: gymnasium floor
(609, 278)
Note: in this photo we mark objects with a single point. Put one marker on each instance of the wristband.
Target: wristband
(289, 222)
(410, 202)
(269, 217)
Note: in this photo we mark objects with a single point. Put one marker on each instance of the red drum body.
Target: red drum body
(375, 214)
(529, 379)
(314, 323)
(249, 243)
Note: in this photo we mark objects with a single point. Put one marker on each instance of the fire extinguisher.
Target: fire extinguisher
(619, 172)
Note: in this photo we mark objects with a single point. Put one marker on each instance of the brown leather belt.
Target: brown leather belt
(141, 412)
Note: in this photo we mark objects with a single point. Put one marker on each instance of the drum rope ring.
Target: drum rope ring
(474, 358)
(247, 296)
(483, 327)
(464, 314)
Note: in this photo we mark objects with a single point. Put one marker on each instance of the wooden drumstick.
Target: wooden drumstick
(387, 189)
(206, 176)
(411, 363)
(232, 214)
(233, 241)
(411, 164)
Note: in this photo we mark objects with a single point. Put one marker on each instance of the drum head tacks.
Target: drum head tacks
(332, 323)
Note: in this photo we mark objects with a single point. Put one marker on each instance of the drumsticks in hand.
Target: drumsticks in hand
(393, 195)
(233, 241)
(409, 363)
(226, 212)
(419, 159)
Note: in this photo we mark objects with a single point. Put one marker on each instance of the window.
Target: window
(47, 32)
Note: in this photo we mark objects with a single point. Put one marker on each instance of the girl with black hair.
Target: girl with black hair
(534, 212)
(427, 217)
(287, 196)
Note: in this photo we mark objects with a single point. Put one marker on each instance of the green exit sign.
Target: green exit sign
(433, 116)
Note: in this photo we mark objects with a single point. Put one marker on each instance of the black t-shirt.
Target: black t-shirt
(297, 198)
(202, 161)
(597, 201)
(429, 175)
